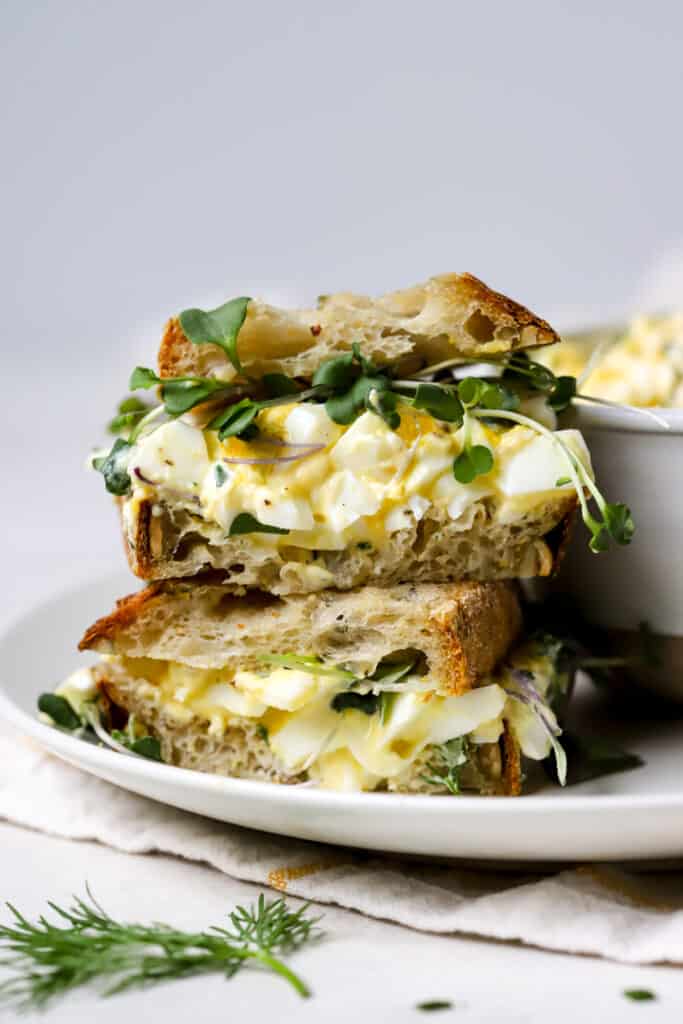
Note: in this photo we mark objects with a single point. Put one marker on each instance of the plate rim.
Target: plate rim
(62, 744)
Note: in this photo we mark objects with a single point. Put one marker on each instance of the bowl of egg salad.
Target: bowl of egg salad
(634, 593)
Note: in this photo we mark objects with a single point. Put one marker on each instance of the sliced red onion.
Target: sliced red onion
(539, 708)
(271, 460)
(102, 734)
(145, 479)
(525, 681)
(289, 444)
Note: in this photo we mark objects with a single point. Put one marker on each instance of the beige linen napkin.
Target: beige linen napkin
(606, 911)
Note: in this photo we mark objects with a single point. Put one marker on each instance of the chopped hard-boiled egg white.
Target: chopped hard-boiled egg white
(78, 689)
(309, 424)
(533, 463)
(173, 456)
(361, 482)
(345, 748)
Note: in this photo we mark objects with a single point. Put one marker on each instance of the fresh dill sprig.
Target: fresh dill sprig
(46, 960)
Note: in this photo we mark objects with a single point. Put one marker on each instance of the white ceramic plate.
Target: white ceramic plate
(631, 815)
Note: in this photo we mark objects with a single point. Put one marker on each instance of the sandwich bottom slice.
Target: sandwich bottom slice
(412, 689)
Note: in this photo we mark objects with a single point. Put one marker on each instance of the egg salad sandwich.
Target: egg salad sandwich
(361, 442)
(418, 688)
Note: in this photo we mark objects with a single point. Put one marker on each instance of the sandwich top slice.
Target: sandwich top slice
(411, 689)
(348, 456)
(451, 315)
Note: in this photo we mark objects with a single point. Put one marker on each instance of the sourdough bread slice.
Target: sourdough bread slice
(449, 316)
(462, 629)
(165, 541)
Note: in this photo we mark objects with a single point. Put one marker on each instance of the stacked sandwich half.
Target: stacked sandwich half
(332, 507)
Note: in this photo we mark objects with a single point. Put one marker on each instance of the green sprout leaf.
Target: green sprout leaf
(179, 394)
(147, 746)
(470, 391)
(114, 468)
(495, 396)
(277, 385)
(481, 458)
(472, 462)
(368, 703)
(535, 376)
(237, 420)
(351, 382)
(336, 374)
(441, 403)
(308, 663)
(447, 761)
(599, 541)
(639, 995)
(182, 395)
(619, 523)
(392, 671)
(219, 326)
(59, 710)
(128, 414)
(434, 1004)
(562, 393)
(246, 523)
(384, 403)
(142, 379)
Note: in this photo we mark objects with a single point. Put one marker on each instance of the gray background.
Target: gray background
(160, 155)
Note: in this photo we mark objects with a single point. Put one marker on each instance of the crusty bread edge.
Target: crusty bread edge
(475, 627)
(175, 350)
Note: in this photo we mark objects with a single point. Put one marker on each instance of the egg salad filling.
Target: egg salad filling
(345, 733)
(305, 481)
(643, 367)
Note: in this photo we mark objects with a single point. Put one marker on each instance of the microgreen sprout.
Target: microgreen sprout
(615, 522)
(448, 759)
(219, 326)
(347, 384)
(475, 459)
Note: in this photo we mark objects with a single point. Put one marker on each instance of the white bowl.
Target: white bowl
(637, 461)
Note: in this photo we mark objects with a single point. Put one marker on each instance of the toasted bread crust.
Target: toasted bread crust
(464, 629)
(448, 316)
(126, 610)
(499, 306)
(175, 351)
(512, 763)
